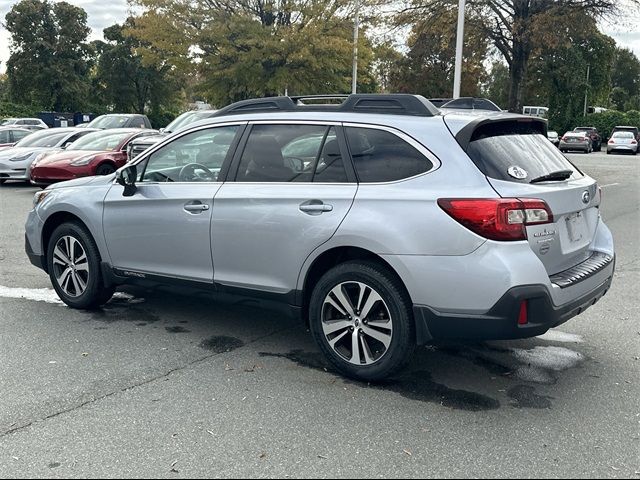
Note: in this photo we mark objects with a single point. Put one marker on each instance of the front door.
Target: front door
(291, 191)
(164, 228)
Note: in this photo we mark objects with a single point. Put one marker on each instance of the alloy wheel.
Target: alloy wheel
(357, 323)
(71, 266)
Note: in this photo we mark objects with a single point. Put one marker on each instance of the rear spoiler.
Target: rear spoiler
(500, 125)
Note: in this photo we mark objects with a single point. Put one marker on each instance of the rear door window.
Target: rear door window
(509, 152)
(381, 156)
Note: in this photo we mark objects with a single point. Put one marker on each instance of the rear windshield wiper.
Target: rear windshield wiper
(553, 177)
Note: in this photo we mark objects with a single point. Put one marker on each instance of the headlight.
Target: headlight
(39, 197)
(37, 159)
(22, 158)
(82, 161)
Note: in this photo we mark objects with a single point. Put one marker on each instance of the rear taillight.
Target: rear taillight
(503, 219)
(633, 142)
(611, 142)
(564, 139)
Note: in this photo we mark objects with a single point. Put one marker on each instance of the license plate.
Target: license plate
(576, 227)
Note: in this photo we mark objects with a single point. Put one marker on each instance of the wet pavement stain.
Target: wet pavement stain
(481, 356)
(525, 396)
(113, 312)
(54, 465)
(221, 344)
(177, 330)
(416, 385)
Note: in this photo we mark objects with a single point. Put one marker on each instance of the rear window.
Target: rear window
(623, 134)
(516, 153)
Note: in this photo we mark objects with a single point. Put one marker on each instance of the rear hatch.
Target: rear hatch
(516, 157)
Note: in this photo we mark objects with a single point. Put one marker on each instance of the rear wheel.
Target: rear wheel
(74, 268)
(105, 169)
(361, 316)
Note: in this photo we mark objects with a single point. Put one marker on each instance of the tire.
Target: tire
(69, 272)
(393, 317)
(2, 181)
(105, 169)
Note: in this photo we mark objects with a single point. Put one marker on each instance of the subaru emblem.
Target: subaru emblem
(586, 197)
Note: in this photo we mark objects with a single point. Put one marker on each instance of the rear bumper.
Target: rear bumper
(501, 321)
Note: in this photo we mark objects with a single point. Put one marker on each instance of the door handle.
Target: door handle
(196, 207)
(315, 207)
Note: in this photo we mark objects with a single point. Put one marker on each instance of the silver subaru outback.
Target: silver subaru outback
(378, 221)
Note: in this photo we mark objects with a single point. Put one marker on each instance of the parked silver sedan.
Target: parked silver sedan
(622, 141)
(576, 141)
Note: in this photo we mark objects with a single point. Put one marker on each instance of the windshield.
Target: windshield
(180, 121)
(44, 138)
(623, 135)
(99, 141)
(497, 155)
(109, 121)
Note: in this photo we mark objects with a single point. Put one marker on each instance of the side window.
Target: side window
(4, 136)
(195, 157)
(527, 111)
(330, 167)
(19, 135)
(73, 138)
(381, 156)
(282, 153)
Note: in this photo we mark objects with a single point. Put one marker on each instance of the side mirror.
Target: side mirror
(126, 177)
(161, 130)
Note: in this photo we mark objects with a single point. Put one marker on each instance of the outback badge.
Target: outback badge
(517, 172)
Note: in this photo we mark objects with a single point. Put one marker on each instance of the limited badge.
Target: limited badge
(517, 172)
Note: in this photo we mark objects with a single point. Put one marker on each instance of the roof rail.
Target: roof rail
(389, 104)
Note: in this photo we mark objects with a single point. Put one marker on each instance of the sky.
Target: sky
(103, 13)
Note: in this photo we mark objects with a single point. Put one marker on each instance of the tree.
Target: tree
(48, 65)
(244, 49)
(626, 71)
(496, 86)
(125, 81)
(513, 27)
(428, 68)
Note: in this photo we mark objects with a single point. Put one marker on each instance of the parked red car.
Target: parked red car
(98, 153)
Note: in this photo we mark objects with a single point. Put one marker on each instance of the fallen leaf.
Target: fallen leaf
(85, 354)
(408, 453)
(322, 457)
(263, 455)
(211, 433)
(614, 468)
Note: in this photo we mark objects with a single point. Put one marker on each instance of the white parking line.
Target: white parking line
(36, 294)
(609, 185)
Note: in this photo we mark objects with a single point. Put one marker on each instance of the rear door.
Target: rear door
(291, 188)
(512, 155)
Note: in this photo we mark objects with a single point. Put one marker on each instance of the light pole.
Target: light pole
(586, 91)
(356, 31)
(457, 78)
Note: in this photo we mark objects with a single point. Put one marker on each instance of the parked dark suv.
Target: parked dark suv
(596, 139)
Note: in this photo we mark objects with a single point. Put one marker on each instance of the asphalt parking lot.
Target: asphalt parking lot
(164, 385)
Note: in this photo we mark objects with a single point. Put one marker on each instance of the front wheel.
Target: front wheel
(2, 181)
(361, 317)
(105, 169)
(74, 268)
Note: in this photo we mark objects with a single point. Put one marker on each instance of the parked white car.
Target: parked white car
(622, 141)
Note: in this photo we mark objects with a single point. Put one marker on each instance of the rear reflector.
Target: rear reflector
(522, 316)
(502, 219)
